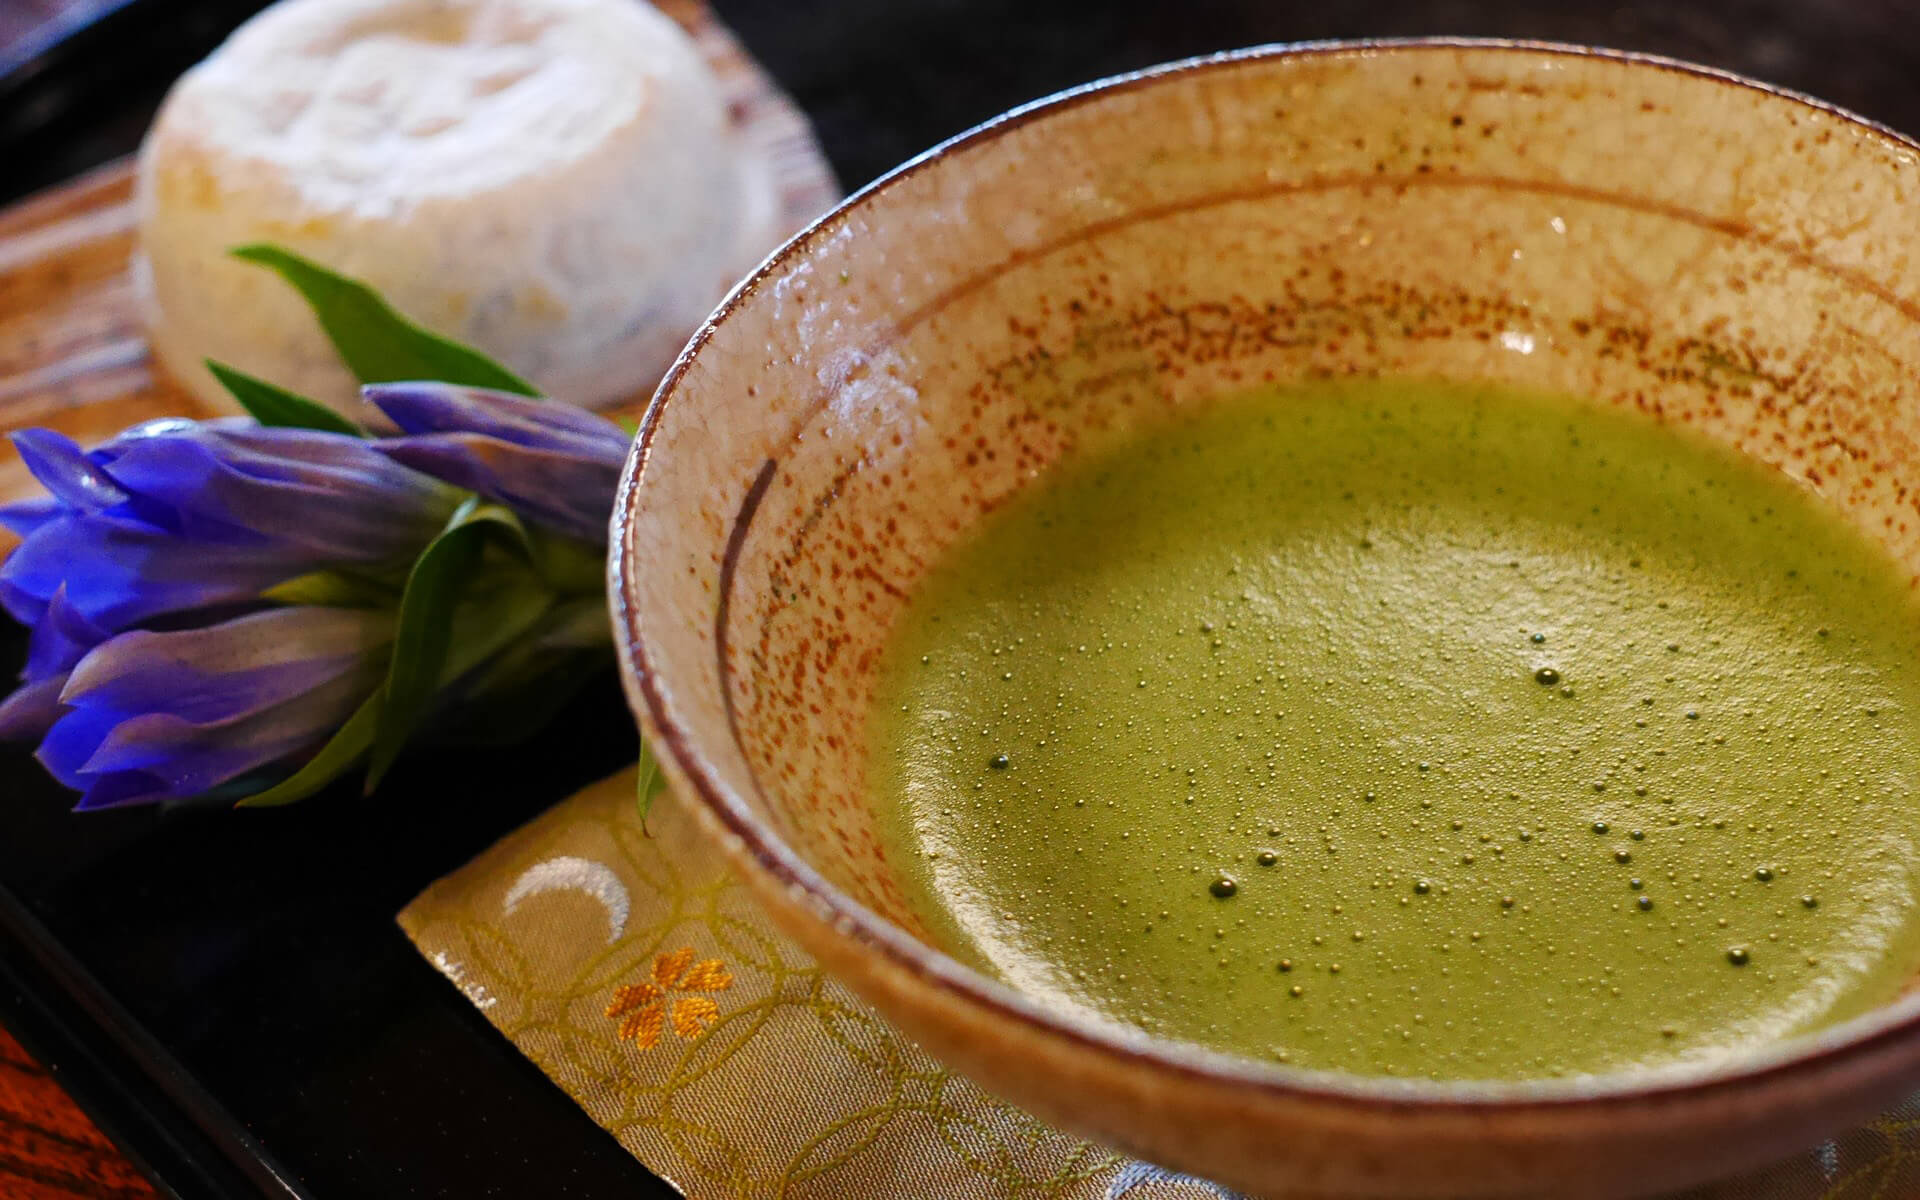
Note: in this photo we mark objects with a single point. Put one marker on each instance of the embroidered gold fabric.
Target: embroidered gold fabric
(643, 980)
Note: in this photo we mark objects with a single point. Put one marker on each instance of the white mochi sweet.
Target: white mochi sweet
(553, 181)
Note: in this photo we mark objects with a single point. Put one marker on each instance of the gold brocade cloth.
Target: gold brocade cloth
(643, 979)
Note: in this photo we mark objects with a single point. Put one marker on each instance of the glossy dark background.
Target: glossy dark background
(227, 992)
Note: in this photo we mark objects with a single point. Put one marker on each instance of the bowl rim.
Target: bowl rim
(1834, 1047)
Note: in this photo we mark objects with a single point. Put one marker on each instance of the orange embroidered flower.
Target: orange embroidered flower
(670, 995)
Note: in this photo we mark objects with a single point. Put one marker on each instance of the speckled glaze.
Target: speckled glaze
(1647, 234)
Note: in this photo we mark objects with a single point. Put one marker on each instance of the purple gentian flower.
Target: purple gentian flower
(59, 640)
(166, 662)
(169, 716)
(179, 522)
(177, 516)
(555, 465)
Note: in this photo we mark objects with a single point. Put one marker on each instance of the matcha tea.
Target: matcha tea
(1415, 729)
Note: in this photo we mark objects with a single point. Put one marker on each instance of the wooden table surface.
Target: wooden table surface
(48, 1148)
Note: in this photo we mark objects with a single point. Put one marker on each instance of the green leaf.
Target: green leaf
(333, 589)
(339, 754)
(378, 344)
(629, 424)
(424, 632)
(500, 613)
(271, 404)
(647, 781)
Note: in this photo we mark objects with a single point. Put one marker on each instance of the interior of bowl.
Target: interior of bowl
(1642, 235)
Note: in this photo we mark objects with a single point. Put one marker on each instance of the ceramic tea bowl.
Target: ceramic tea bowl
(1704, 250)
